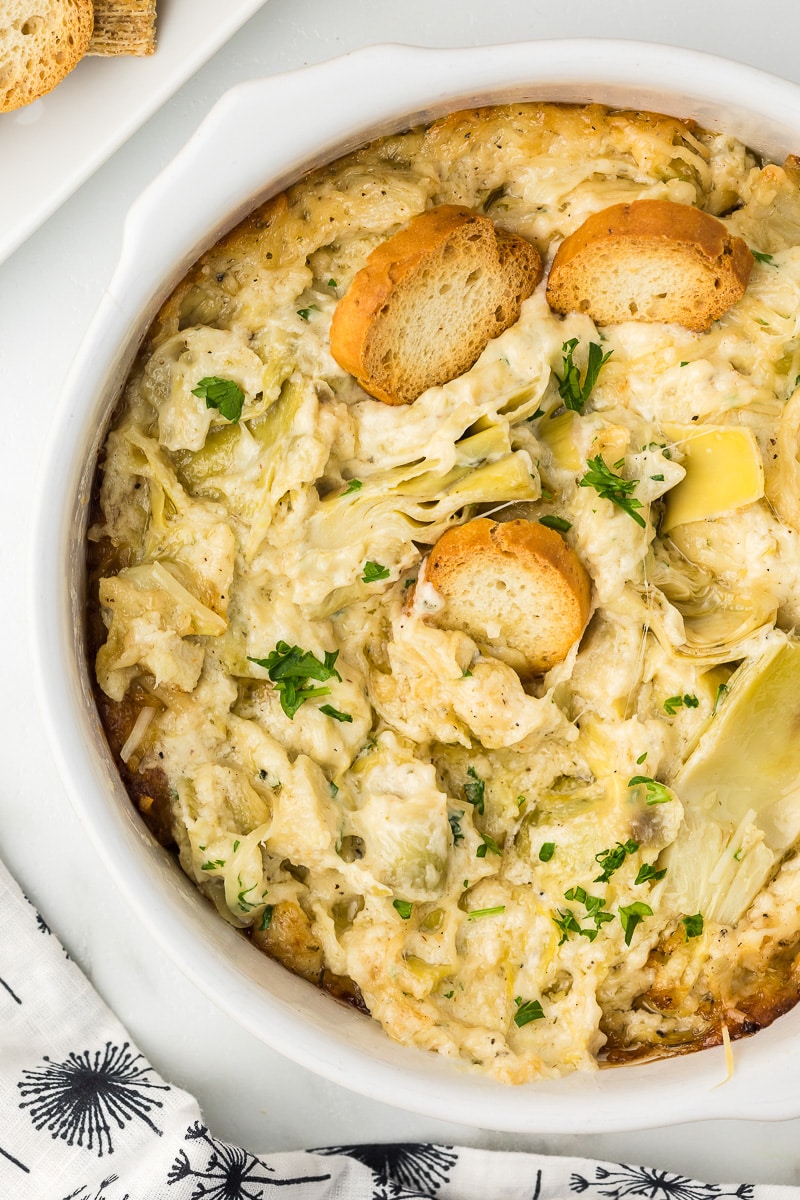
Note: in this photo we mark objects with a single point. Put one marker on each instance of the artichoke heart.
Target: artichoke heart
(740, 787)
(723, 472)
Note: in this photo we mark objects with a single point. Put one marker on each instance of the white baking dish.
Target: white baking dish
(261, 135)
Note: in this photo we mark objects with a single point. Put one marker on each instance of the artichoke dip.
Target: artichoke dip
(528, 876)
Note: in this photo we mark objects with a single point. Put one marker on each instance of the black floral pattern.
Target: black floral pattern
(403, 1170)
(15, 1161)
(81, 1099)
(10, 991)
(85, 1192)
(653, 1184)
(227, 1172)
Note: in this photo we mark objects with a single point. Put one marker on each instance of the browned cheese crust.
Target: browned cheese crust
(651, 260)
(429, 300)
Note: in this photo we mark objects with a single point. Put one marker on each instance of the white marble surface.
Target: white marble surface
(48, 292)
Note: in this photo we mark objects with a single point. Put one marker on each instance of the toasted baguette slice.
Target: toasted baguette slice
(124, 27)
(40, 42)
(515, 587)
(651, 260)
(429, 299)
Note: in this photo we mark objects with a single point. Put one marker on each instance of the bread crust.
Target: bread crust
(41, 47)
(650, 232)
(538, 553)
(394, 266)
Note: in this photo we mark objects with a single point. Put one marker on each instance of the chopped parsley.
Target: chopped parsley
(656, 793)
(244, 904)
(373, 571)
(612, 859)
(266, 917)
(675, 702)
(474, 789)
(213, 864)
(612, 487)
(291, 668)
(559, 523)
(527, 1011)
(334, 789)
(632, 915)
(488, 844)
(353, 485)
(641, 759)
(455, 826)
(332, 283)
(486, 912)
(236, 845)
(222, 394)
(564, 918)
(647, 872)
(546, 851)
(330, 711)
(404, 908)
(693, 925)
(722, 692)
(305, 313)
(535, 416)
(568, 923)
(571, 389)
(764, 258)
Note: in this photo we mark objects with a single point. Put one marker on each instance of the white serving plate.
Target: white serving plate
(49, 148)
(322, 113)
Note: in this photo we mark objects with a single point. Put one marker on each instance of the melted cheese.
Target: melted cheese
(411, 821)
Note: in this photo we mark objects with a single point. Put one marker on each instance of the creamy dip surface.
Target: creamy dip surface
(528, 878)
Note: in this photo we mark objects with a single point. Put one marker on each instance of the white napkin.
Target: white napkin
(83, 1116)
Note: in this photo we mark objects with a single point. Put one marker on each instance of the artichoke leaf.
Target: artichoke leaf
(740, 787)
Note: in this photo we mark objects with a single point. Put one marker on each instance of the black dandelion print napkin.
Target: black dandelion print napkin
(83, 1116)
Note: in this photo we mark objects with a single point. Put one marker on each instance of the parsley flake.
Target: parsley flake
(571, 389)
(648, 872)
(244, 904)
(474, 789)
(404, 908)
(353, 485)
(486, 912)
(373, 571)
(527, 1011)
(290, 670)
(675, 702)
(641, 759)
(213, 864)
(632, 915)
(305, 313)
(612, 487)
(222, 394)
(656, 793)
(488, 844)
(612, 859)
(764, 258)
(266, 917)
(455, 826)
(546, 851)
(693, 925)
(336, 713)
(722, 692)
(559, 523)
